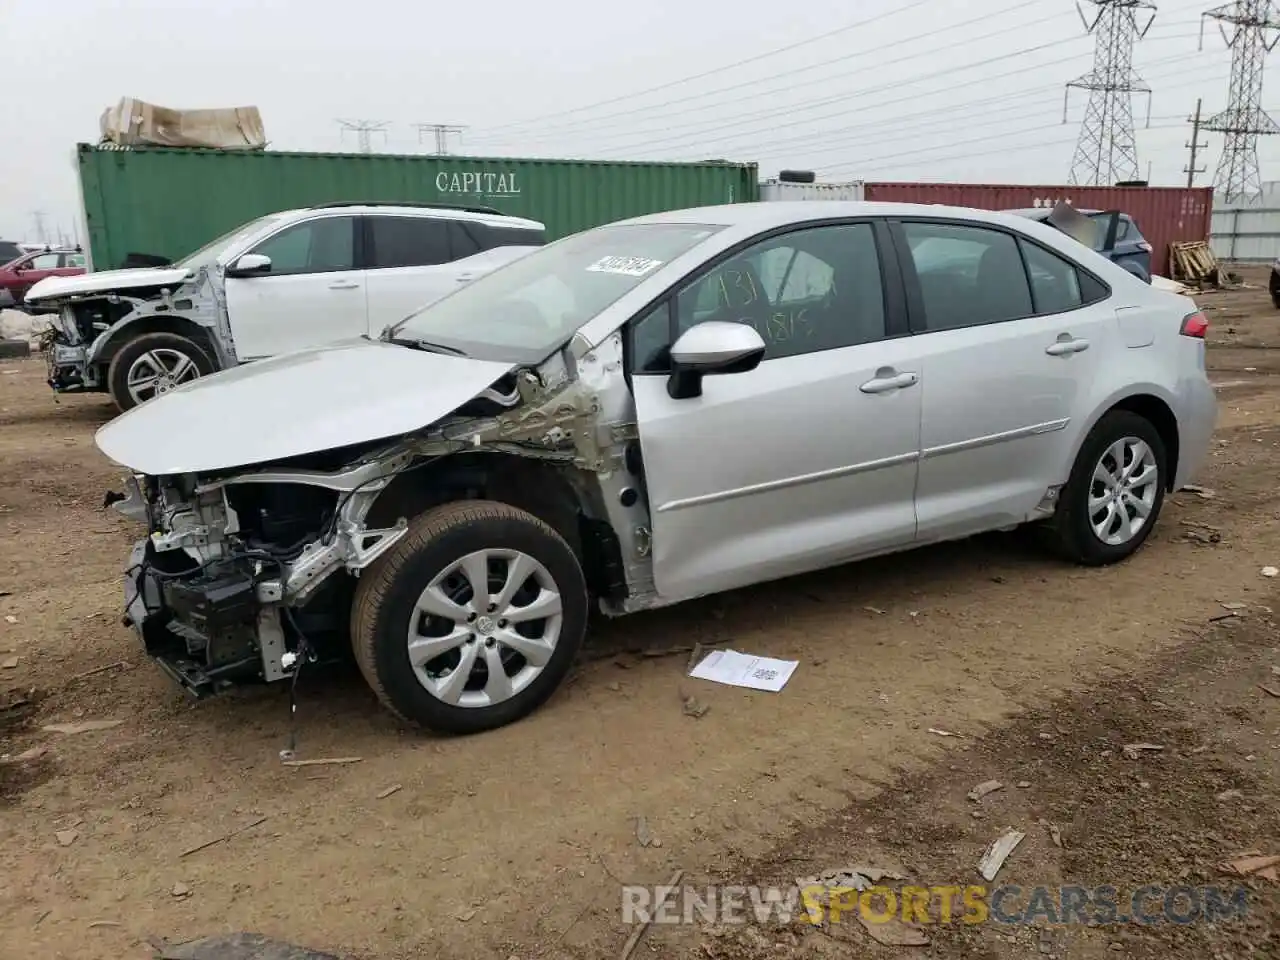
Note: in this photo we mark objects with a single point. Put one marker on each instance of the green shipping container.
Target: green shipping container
(169, 202)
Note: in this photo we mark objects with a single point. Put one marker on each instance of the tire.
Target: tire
(12, 349)
(386, 603)
(168, 347)
(1071, 529)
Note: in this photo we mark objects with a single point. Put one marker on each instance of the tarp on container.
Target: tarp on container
(135, 123)
(1164, 214)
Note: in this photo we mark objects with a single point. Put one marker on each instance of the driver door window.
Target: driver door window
(317, 246)
(807, 291)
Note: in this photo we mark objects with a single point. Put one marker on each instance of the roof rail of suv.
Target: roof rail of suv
(407, 203)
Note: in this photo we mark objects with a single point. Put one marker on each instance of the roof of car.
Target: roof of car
(411, 210)
(771, 213)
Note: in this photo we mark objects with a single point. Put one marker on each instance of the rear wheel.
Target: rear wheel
(152, 365)
(1113, 498)
(472, 620)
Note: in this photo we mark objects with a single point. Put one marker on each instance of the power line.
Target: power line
(596, 123)
(834, 138)
(792, 109)
(1005, 147)
(364, 129)
(703, 143)
(708, 73)
(1238, 176)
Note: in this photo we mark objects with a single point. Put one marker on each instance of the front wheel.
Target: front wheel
(152, 365)
(472, 620)
(1116, 490)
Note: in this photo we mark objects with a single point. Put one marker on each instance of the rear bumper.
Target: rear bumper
(1198, 417)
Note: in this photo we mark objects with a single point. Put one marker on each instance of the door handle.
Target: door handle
(1066, 345)
(343, 285)
(466, 278)
(887, 380)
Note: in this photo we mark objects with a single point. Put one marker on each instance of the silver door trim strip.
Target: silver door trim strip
(772, 485)
(976, 443)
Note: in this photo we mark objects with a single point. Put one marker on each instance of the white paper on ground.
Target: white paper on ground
(745, 670)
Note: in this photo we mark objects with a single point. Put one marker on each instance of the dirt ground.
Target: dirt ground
(515, 843)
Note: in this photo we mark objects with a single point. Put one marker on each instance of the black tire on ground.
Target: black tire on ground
(388, 591)
(11, 349)
(1071, 532)
(118, 372)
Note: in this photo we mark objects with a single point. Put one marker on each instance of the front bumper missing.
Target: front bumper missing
(69, 370)
(209, 630)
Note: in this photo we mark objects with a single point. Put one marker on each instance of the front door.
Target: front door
(806, 461)
(1010, 337)
(313, 293)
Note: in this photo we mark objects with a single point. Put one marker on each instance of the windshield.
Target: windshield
(525, 310)
(209, 252)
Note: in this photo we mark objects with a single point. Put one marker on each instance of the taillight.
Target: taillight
(1195, 325)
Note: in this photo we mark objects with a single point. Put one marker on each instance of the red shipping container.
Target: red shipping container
(1163, 214)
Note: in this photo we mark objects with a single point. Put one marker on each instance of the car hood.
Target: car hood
(107, 281)
(293, 404)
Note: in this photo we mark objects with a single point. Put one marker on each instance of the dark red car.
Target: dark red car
(20, 275)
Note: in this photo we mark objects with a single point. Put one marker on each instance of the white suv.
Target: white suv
(283, 282)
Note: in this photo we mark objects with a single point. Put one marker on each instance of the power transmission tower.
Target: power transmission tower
(364, 130)
(1106, 151)
(1195, 146)
(441, 133)
(1256, 23)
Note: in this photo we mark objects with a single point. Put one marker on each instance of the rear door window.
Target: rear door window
(968, 275)
(462, 242)
(409, 242)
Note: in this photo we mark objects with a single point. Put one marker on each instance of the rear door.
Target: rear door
(410, 263)
(313, 294)
(1011, 335)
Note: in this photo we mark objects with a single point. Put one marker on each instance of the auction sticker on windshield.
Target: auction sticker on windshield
(625, 266)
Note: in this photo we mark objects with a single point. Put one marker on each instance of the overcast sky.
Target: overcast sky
(921, 90)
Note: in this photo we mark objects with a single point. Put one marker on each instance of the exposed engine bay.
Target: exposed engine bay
(246, 574)
(87, 329)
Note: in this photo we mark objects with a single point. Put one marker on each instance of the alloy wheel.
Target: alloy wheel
(1122, 493)
(158, 372)
(484, 628)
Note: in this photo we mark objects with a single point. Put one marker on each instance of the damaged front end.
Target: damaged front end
(86, 328)
(247, 572)
(234, 581)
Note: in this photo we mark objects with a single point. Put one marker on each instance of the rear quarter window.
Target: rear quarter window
(490, 236)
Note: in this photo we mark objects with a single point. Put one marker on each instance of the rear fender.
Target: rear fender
(1128, 394)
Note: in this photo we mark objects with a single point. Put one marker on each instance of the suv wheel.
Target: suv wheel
(1116, 490)
(152, 365)
(472, 620)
